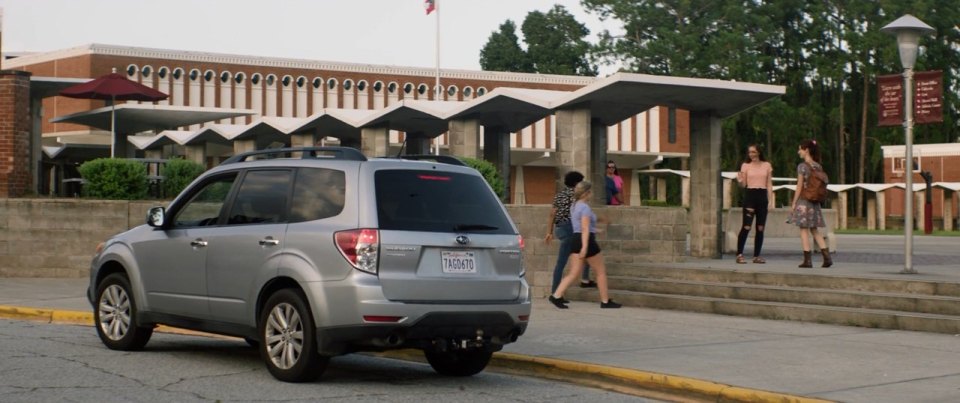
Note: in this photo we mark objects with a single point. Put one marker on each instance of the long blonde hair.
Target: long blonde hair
(581, 189)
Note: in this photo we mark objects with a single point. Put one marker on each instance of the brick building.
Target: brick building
(299, 88)
(943, 163)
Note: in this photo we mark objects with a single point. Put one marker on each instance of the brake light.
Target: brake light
(520, 241)
(361, 248)
(434, 177)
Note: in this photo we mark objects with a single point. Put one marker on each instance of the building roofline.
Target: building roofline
(224, 58)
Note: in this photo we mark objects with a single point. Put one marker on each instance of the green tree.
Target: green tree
(503, 53)
(555, 43)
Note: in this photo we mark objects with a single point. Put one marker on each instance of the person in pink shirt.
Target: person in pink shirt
(756, 177)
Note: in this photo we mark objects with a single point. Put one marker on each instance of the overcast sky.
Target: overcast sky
(385, 32)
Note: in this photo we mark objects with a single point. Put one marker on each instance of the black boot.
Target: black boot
(806, 260)
(827, 261)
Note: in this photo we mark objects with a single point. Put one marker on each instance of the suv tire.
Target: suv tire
(458, 362)
(289, 343)
(116, 313)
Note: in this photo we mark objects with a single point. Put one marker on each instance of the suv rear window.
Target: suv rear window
(413, 200)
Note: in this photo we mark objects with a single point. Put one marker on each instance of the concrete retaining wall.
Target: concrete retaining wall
(57, 237)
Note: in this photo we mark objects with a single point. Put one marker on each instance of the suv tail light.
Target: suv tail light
(361, 247)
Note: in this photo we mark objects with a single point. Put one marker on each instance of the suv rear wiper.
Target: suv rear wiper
(467, 227)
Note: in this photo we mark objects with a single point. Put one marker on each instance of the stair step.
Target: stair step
(933, 304)
(817, 281)
(863, 317)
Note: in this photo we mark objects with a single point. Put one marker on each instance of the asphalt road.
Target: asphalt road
(45, 363)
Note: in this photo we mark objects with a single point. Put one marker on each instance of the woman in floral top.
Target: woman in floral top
(560, 218)
(806, 214)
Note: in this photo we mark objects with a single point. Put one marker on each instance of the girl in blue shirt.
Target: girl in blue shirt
(584, 248)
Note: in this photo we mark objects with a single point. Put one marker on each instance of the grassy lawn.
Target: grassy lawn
(858, 231)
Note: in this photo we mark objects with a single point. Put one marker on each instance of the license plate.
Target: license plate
(458, 262)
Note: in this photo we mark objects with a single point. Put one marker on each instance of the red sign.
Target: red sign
(928, 97)
(890, 100)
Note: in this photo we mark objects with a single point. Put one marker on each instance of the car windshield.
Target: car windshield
(413, 200)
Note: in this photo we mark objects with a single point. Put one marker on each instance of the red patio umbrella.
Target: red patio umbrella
(114, 87)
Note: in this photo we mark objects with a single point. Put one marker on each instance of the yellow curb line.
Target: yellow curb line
(623, 380)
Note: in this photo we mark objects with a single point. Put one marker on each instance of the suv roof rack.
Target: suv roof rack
(443, 159)
(340, 153)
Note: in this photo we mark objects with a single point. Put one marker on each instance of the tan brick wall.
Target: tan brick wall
(57, 237)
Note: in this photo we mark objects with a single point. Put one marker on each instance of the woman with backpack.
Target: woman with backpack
(806, 213)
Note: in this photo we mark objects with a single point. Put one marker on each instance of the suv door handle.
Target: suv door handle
(269, 241)
(198, 243)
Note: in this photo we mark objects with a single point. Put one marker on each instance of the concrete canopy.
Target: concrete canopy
(45, 87)
(339, 123)
(79, 152)
(421, 118)
(133, 118)
(619, 96)
(216, 134)
(152, 142)
(509, 108)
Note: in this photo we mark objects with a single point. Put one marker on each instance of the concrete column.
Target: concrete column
(153, 154)
(635, 198)
(918, 210)
(197, 153)
(374, 141)
(728, 190)
(520, 194)
(303, 140)
(842, 209)
(598, 161)
(684, 191)
(573, 145)
(496, 150)
(948, 200)
(465, 138)
(242, 146)
(705, 186)
(417, 144)
(662, 189)
(872, 212)
(881, 210)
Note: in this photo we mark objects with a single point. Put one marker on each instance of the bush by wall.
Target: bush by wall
(489, 173)
(177, 174)
(114, 179)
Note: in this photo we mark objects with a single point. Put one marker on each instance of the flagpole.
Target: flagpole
(438, 91)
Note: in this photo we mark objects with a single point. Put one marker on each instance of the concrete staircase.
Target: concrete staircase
(854, 301)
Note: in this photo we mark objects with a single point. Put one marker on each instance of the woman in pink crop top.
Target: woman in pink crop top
(756, 177)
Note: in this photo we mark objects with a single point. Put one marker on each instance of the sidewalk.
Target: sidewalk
(711, 351)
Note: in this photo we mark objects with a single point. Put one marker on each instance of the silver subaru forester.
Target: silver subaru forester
(309, 253)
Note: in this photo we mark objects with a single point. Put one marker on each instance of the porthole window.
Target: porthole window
(361, 85)
(239, 78)
(177, 73)
(392, 88)
(301, 81)
(224, 77)
(317, 82)
(452, 90)
(271, 79)
(162, 73)
(481, 91)
(467, 91)
(332, 83)
(147, 70)
(407, 88)
(255, 78)
(422, 89)
(378, 86)
(347, 85)
(208, 76)
(131, 70)
(286, 81)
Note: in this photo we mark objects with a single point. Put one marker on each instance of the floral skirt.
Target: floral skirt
(807, 215)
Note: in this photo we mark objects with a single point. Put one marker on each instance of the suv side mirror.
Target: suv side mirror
(155, 216)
